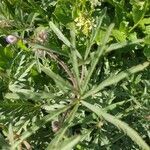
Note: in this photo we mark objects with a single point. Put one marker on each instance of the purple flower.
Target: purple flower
(11, 39)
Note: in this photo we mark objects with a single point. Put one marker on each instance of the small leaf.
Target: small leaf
(22, 46)
(119, 36)
(11, 134)
(138, 12)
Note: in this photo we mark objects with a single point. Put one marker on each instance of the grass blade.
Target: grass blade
(119, 124)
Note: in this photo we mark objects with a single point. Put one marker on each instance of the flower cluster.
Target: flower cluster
(40, 35)
(84, 23)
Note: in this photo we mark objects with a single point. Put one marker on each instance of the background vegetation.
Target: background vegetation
(75, 74)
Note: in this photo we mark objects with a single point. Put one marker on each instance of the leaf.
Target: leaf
(116, 78)
(116, 46)
(22, 46)
(138, 12)
(96, 58)
(58, 79)
(29, 95)
(37, 47)
(67, 144)
(119, 36)
(11, 134)
(59, 34)
(147, 30)
(26, 72)
(147, 51)
(18, 89)
(20, 65)
(75, 65)
(119, 124)
(73, 55)
(32, 17)
(11, 96)
(94, 34)
(117, 104)
(147, 40)
(138, 9)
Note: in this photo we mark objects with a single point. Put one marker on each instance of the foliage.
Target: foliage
(77, 77)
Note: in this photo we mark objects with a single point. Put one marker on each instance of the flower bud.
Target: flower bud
(11, 39)
(55, 126)
(42, 36)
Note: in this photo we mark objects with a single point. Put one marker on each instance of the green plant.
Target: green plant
(70, 79)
